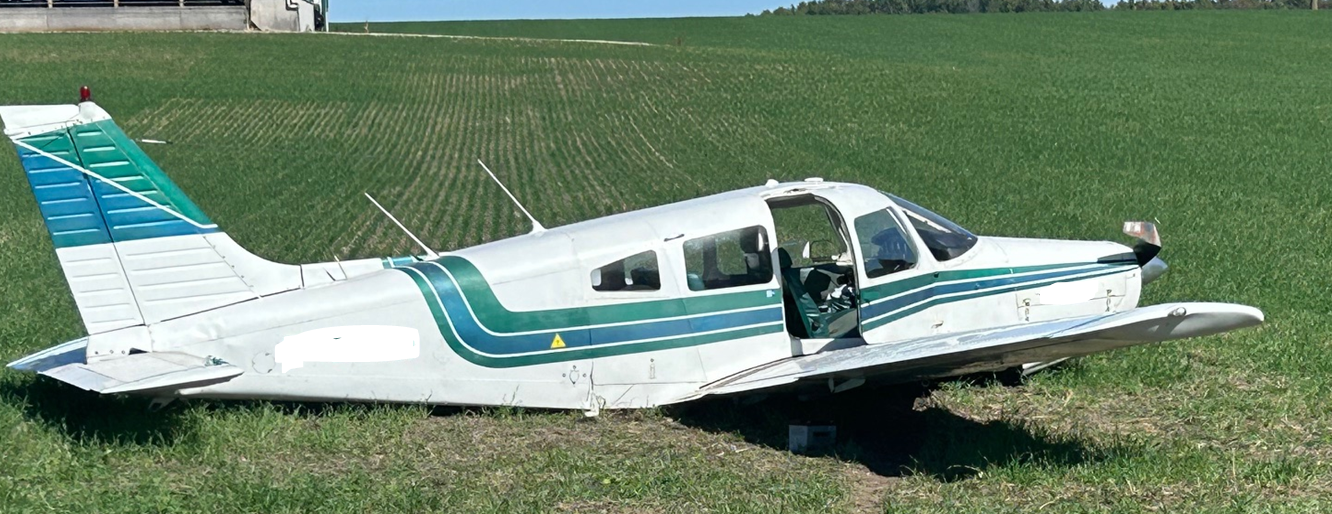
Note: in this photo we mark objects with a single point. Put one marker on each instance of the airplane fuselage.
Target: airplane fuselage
(518, 321)
(787, 285)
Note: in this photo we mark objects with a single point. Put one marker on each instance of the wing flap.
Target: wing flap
(994, 349)
(144, 372)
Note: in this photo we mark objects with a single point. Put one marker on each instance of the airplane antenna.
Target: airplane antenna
(344, 270)
(409, 233)
(536, 225)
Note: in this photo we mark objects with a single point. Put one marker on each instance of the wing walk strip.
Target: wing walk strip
(654, 326)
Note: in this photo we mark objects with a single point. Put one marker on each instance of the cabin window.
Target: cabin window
(728, 259)
(945, 239)
(884, 246)
(638, 272)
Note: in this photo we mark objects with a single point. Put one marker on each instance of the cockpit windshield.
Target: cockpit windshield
(945, 239)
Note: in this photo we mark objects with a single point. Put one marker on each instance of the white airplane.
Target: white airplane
(640, 309)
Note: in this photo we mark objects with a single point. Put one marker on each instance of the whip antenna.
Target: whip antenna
(409, 233)
(536, 225)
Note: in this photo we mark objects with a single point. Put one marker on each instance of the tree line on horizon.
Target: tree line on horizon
(854, 7)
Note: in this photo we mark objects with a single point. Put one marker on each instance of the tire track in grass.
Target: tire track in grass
(563, 129)
(534, 148)
(550, 125)
(559, 131)
(635, 156)
(263, 131)
(531, 189)
(614, 156)
(404, 164)
(283, 133)
(654, 119)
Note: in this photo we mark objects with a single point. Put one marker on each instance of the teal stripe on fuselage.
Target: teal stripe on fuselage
(480, 329)
(453, 339)
(661, 326)
(929, 297)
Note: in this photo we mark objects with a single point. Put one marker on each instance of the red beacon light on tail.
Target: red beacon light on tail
(85, 94)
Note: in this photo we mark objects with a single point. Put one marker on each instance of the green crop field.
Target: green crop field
(1216, 124)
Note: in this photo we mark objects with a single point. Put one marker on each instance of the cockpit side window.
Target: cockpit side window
(883, 244)
(638, 272)
(945, 239)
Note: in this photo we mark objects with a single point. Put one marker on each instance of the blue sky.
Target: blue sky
(429, 10)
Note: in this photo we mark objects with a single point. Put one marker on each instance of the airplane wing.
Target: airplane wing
(988, 350)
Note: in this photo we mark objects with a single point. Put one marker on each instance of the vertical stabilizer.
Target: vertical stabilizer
(134, 248)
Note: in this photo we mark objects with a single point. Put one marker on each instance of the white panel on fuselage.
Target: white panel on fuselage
(248, 334)
(977, 306)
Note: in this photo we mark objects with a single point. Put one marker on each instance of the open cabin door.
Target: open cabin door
(885, 272)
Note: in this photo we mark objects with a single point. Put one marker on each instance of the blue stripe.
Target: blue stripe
(81, 210)
(934, 290)
(393, 262)
(131, 218)
(479, 339)
(868, 325)
(63, 196)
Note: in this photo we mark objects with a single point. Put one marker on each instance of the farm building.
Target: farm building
(74, 15)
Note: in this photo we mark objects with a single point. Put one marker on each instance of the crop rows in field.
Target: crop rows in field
(1039, 126)
(574, 138)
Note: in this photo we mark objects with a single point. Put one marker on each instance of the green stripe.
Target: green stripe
(876, 292)
(106, 150)
(915, 308)
(446, 331)
(493, 315)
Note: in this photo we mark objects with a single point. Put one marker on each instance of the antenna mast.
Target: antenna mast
(536, 225)
(409, 233)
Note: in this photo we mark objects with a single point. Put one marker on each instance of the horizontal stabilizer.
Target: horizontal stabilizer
(144, 372)
(956, 354)
(73, 352)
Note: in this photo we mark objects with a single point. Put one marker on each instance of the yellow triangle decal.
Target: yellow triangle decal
(557, 343)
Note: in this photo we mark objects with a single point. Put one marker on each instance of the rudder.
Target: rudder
(134, 249)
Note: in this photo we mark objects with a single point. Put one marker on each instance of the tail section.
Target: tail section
(135, 251)
(134, 248)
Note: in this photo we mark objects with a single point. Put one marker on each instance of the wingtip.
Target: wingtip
(55, 356)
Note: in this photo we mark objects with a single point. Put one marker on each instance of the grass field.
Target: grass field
(1217, 124)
